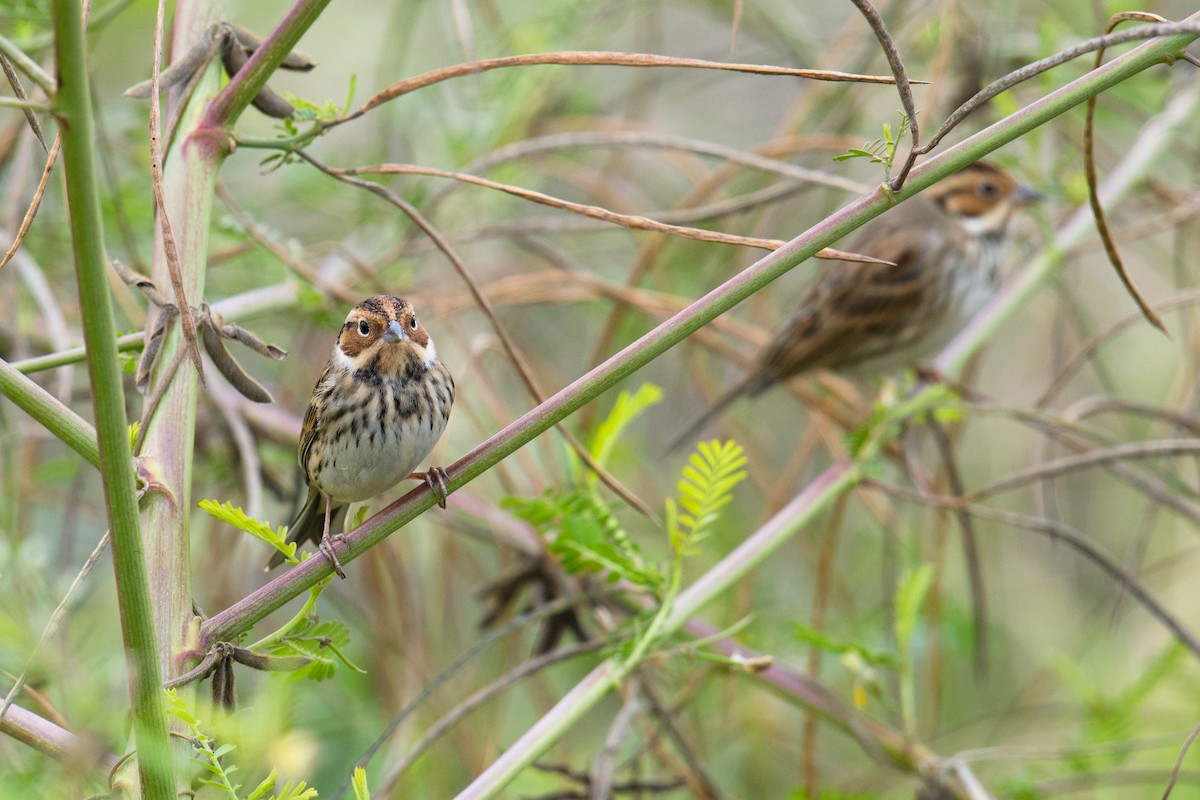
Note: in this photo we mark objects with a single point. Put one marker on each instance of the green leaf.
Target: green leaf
(261, 790)
(831, 644)
(227, 512)
(537, 511)
(909, 598)
(321, 641)
(624, 411)
(705, 486)
(584, 546)
(359, 783)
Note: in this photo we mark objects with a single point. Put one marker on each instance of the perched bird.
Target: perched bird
(377, 410)
(948, 244)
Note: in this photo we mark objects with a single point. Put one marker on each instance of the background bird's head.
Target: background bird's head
(981, 197)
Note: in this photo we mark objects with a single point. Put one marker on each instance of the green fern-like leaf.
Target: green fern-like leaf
(627, 408)
(227, 512)
(582, 546)
(358, 782)
(322, 641)
(582, 533)
(705, 487)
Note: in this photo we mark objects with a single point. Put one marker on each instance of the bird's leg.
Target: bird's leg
(435, 479)
(326, 545)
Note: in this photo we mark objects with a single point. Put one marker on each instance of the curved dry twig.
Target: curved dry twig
(562, 141)
(1089, 171)
(1038, 67)
(1179, 761)
(589, 58)
(1059, 532)
(1099, 457)
(595, 212)
(187, 323)
(902, 84)
(1073, 364)
(35, 202)
(295, 264)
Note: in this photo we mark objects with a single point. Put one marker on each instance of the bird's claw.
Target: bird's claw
(437, 481)
(326, 547)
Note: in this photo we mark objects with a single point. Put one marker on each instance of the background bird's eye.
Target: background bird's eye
(364, 327)
(987, 189)
(412, 323)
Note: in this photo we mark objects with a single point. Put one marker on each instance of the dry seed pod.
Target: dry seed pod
(182, 70)
(223, 692)
(266, 101)
(153, 344)
(240, 334)
(295, 60)
(227, 365)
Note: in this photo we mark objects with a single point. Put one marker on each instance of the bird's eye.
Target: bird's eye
(364, 327)
(412, 323)
(987, 189)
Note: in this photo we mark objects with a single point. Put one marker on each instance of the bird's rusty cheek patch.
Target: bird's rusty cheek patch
(353, 343)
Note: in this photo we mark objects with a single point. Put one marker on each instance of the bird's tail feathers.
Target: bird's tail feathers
(752, 384)
(309, 524)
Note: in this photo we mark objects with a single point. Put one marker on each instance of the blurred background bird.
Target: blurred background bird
(947, 243)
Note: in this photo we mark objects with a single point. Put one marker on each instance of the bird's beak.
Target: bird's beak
(1026, 195)
(394, 332)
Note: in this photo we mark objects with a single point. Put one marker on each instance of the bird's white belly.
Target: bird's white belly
(375, 464)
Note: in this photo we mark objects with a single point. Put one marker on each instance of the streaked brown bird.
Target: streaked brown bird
(377, 410)
(948, 244)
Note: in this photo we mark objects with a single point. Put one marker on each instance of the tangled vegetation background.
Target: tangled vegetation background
(786, 611)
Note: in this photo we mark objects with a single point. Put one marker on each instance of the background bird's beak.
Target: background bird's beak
(1027, 195)
(394, 332)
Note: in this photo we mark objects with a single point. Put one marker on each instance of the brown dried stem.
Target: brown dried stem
(1089, 171)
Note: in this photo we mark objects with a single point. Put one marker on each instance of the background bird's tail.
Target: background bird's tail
(752, 384)
(309, 524)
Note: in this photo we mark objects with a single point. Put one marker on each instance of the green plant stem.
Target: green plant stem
(28, 366)
(104, 369)
(224, 110)
(50, 412)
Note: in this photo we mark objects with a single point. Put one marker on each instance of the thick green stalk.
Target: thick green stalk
(116, 470)
(50, 412)
(189, 175)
